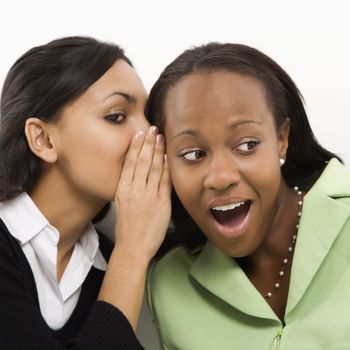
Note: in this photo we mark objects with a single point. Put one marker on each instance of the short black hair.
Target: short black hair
(305, 156)
(41, 83)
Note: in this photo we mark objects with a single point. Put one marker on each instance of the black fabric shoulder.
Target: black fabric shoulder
(100, 326)
(16, 253)
(106, 245)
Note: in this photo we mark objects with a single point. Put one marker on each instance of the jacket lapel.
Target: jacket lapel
(323, 218)
(223, 277)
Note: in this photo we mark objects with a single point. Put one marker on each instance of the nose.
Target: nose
(141, 123)
(222, 173)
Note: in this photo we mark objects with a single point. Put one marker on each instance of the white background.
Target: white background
(310, 39)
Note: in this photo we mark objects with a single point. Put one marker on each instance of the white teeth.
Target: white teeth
(228, 206)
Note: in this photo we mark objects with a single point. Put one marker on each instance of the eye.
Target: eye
(193, 156)
(247, 146)
(115, 118)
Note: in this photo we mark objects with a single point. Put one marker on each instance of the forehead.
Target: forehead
(218, 93)
(119, 77)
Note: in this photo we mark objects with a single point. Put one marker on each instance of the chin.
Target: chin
(237, 250)
(109, 196)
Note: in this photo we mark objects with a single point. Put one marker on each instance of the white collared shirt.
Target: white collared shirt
(39, 240)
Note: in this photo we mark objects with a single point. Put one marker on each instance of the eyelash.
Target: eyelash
(248, 142)
(114, 118)
(202, 154)
(184, 154)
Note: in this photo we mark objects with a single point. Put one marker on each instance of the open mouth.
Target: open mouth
(231, 215)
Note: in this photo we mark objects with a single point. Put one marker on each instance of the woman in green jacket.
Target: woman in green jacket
(260, 207)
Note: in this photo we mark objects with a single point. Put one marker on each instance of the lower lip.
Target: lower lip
(234, 231)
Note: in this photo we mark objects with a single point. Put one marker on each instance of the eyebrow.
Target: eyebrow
(194, 133)
(127, 97)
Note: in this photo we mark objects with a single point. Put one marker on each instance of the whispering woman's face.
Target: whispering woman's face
(95, 131)
(224, 149)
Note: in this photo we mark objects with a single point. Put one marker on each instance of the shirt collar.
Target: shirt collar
(24, 220)
(90, 243)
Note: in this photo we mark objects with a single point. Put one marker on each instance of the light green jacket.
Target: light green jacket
(204, 301)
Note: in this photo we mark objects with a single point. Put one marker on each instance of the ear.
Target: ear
(283, 135)
(38, 134)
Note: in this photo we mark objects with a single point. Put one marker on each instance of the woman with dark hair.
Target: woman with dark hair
(73, 137)
(261, 209)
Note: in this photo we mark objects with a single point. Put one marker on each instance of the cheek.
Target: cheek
(98, 157)
(264, 179)
(186, 184)
(177, 176)
(113, 156)
(262, 170)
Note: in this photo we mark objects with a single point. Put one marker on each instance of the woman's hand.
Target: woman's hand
(142, 198)
(143, 208)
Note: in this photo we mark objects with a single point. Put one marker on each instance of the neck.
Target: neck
(279, 234)
(269, 267)
(68, 211)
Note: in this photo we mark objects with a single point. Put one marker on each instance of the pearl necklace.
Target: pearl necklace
(290, 250)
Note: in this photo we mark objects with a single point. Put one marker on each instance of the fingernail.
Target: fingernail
(153, 130)
(160, 138)
(139, 135)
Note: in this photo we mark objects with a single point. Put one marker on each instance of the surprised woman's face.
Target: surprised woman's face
(223, 150)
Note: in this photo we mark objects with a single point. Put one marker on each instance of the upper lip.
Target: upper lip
(225, 201)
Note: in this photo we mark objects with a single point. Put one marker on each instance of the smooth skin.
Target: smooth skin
(102, 149)
(223, 147)
(143, 209)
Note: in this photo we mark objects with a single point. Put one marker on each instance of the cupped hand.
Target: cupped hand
(142, 198)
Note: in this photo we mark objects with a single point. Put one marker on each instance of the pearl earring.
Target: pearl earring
(282, 161)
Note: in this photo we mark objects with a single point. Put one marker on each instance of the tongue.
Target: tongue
(231, 217)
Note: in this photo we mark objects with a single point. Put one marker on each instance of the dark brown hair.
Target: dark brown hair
(41, 83)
